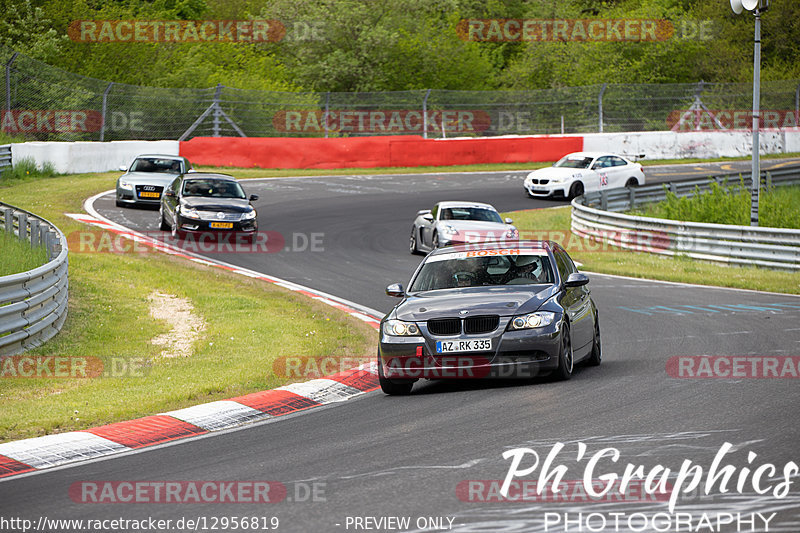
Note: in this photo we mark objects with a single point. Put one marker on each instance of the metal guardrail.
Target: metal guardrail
(5, 157)
(33, 304)
(598, 216)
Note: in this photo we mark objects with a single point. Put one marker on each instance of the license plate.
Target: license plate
(146, 194)
(221, 225)
(471, 345)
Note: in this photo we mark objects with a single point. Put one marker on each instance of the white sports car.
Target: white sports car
(451, 223)
(580, 172)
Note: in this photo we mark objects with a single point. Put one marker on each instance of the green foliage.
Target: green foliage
(26, 168)
(18, 256)
(380, 45)
(730, 205)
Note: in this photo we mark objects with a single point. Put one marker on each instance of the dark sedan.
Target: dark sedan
(205, 202)
(487, 311)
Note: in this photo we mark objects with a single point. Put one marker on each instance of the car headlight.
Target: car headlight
(538, 319)
(189, 212)
(250, 215)
(449, 230)
(125, 185)
(398, 328)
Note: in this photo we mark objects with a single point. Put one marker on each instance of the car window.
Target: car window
(603, 162)
(212, 188)
(617, 161)
(564, 264)
(156, 164)
(449, 271)
(175, 185)
(471, 213)
(573, 161)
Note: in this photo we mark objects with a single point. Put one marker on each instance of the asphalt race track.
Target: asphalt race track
(415, 456)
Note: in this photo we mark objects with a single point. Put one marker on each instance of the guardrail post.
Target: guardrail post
(8, 216)
(769, 180)
(673, 187)
(34, 233)
(604, 200)
(22, 219)
(632, 197)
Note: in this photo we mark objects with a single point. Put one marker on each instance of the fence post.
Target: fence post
(797, 104)
(600, 105)
(103, 114)
(22, 219)
(425, 115)
(327, 110)
(216, 110)
(8, 80)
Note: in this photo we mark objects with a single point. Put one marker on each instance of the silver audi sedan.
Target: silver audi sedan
(450, 223)
(144, 180)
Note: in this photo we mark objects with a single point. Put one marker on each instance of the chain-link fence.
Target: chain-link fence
(46, 103)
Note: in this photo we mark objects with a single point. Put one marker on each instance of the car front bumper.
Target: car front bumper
(515, 354)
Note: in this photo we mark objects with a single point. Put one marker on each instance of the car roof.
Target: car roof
(522, 244)
(163, 156)
(449, 204)
(594, 154)
(209, 175)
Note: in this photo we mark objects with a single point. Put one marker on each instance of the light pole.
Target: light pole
(757, 7)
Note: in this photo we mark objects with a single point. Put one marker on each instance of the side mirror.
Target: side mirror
(169, 194)
(509, 221)
(576, 279)
(428, 217)
(396, 290)
(123, 168)
(423, 212)
(253, 197)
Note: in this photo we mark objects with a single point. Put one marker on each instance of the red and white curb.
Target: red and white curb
(29, 455)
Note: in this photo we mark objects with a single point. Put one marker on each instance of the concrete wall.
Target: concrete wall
(78, 157)
(693, 144)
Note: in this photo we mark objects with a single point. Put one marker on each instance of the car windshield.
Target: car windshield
(155, 164)
(212, 188)
(464, 269)
(573, 161)
(470, 213)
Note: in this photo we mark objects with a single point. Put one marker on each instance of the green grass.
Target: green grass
(250, 325)
(778, 206)
(26, 169)
(17, 256)
(555, 224)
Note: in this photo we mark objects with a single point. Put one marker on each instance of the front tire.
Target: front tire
(412, 242)
(435, 241)
(566, 362)
(393, 388)
(576, 190)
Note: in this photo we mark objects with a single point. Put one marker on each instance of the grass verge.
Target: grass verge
(250, 325)
(17, 256)
(730, 205)
(554, 224)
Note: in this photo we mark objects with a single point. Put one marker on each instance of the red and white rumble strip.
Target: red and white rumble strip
(39, 453)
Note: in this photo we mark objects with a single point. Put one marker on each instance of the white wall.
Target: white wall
(78, 157)
(693, 144)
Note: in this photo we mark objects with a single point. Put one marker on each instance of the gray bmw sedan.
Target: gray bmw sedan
(488, 311)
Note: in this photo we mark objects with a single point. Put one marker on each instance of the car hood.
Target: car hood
(476, 225)
(149, 178)
(238, 205)
(554, 172)
(504, 301)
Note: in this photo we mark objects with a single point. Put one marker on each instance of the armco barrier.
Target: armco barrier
(371, 152)
(596, 216)
(5, 157)
(33, 304)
